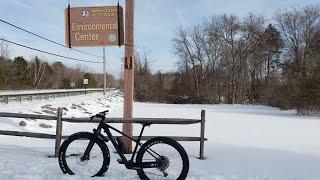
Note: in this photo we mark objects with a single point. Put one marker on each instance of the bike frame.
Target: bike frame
(130, 164)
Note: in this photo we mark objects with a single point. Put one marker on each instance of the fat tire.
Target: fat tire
(84, 135)
(168, 141)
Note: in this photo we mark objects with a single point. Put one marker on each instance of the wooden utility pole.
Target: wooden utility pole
(58, 131)
(104, 71)
(129, 71)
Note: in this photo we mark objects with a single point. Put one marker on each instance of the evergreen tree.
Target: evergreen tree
(20, 72)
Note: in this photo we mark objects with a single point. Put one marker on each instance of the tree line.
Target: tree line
(224, 59)
(19, 73)
(228, 59)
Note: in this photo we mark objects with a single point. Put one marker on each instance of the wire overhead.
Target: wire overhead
(46, 52)
(42, 37)
(54, 42)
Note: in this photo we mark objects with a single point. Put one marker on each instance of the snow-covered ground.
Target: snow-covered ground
(244, 141)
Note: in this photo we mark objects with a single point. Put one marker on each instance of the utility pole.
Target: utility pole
(128, 72)
(121, 77)
(104, 71)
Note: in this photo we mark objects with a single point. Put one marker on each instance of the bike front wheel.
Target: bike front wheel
(73, 161)
(172, 160)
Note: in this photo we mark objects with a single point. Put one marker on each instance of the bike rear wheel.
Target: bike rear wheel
(172, 159)
(72, 160)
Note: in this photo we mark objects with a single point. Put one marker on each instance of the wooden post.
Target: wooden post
(58, 131)
(104, 71)
(203, 120)
(6, 99)
(129, 72)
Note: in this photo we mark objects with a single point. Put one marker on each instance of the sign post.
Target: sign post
(85, 83)
(103, 26)
(104, 71)
(129, 71)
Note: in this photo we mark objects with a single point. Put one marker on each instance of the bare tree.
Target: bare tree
(299, 27)
(4, 50)
(38, 71)
(228, 30)
(4, 55)
(252, 62)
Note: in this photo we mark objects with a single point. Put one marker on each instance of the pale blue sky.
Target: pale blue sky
(156, 22)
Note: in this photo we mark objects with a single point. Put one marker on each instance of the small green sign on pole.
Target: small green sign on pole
(85, 83)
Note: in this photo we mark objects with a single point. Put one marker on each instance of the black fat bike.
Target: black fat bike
(86, 154)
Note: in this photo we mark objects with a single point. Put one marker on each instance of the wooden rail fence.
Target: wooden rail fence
(58, 136)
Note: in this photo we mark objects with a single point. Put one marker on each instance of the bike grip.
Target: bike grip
(105, 111)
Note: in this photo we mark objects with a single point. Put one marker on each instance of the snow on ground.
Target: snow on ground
(244, 141)
(74, 106)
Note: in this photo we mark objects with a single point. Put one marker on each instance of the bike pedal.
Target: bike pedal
(120, 161)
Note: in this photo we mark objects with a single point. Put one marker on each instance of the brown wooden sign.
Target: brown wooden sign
(94, 26)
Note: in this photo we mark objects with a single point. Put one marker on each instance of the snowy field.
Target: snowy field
(244, 141)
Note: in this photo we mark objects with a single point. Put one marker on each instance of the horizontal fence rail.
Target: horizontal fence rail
(28, 116)
(136, 120)
(52, 136)
(19, 97)
(58, 136)
(109, 120)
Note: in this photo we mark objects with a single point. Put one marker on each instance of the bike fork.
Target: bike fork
(88, 149)
(86, 155)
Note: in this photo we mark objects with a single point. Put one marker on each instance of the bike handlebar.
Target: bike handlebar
(101, 115)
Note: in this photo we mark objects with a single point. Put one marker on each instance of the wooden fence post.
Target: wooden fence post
(203, 120)
(6, 99)
(58, 131)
